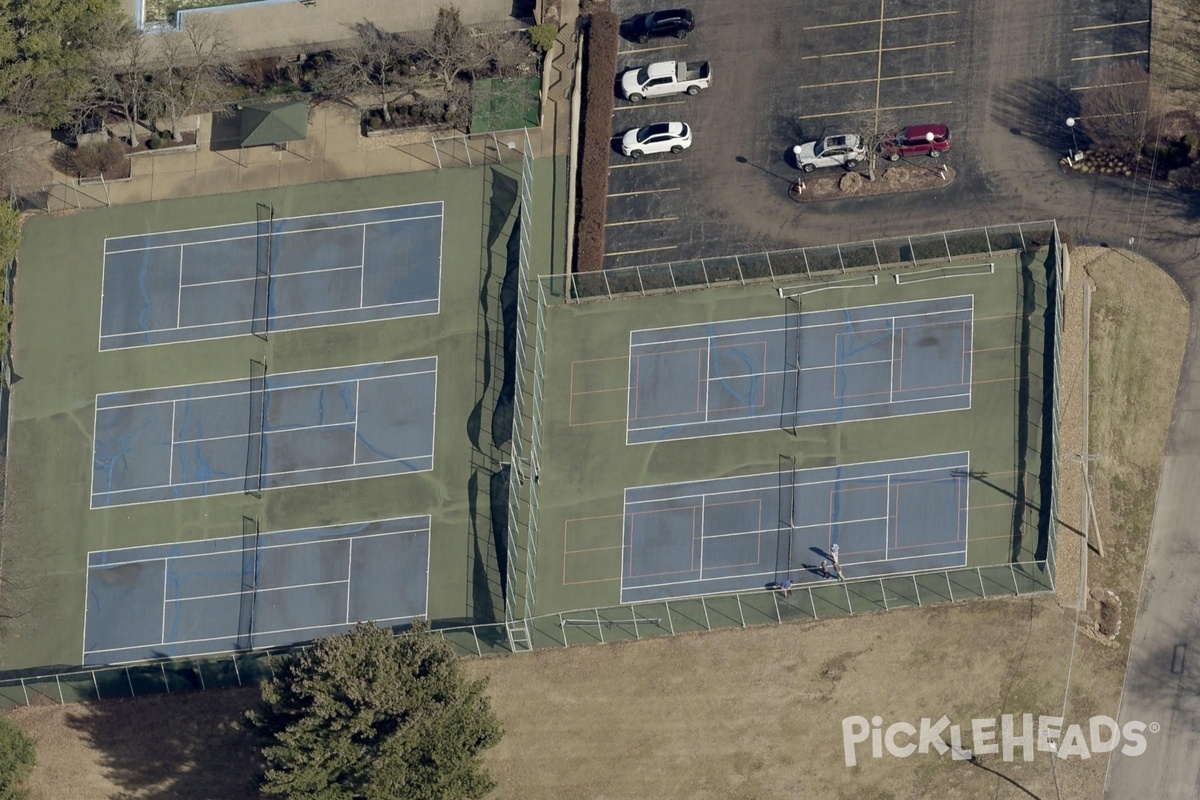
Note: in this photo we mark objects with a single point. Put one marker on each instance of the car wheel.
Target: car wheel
(852, 163)
(935, 153)
(643, 39)
(635, 153)
(677, 149)
(635, 98)
(809, 167)
(893, 157)
(680, 34)
(693, 90)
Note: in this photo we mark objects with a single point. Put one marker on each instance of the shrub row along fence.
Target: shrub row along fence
(823, 600)
(801, 262)
(600, 72)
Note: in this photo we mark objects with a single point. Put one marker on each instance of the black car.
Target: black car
(678, 23)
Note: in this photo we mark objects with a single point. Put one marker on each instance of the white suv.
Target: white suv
(661, 137)
(832, 151)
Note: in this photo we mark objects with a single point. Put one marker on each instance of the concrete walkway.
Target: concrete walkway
(335, 149)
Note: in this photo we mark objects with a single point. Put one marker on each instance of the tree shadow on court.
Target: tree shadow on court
(190, 746)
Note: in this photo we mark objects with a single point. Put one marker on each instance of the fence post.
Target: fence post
(670, 622)
(58, 683)
(707, 622)
(96, 685)
(988, 239)
(883, 593)
(812, 603)
(599, 625)
(475, 636)
(917, 589)
(704, 270)
(778, 614)
(741, 613)
(467, 147)
(949, 586)
(607, 288)
(804, 252)
(738, 263)
(875, 247)
(946, 242)
(163, 669)
(770, 269)
(841, 260)
(25, 691)
(129, 680)
(1016, 587)
(1021, 233)
(237, 673)
(849, 604)
(636, 635)
(982, 590)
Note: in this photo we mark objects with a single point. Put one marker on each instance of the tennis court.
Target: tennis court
(264, 432)
(730, 534)
(276, 274)
(257, 590)
(854, 364)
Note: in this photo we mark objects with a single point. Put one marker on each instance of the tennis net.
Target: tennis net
(260, 319)
(255, 444)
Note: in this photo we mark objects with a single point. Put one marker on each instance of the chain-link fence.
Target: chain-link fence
(824, 600)
(806, 262)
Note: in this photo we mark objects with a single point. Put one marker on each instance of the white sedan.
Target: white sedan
(832, 151)
(661, 137)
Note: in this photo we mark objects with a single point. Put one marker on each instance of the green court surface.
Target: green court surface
(505, 104)
(586, 465)
(59, 371)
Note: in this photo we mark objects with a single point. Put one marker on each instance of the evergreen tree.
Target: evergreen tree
(374, 716)
(17, 757)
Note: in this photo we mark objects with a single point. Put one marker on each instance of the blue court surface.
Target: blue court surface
(733, 534)
(271, 275)
(854, 364)
(256, 590)
(290, 429)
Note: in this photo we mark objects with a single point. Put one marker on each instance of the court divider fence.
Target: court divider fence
(523, 465)
(807, 262)
(822, 600)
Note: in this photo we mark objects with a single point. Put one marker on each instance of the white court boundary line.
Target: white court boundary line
(426, 531)
(959, 511)
(436, 300)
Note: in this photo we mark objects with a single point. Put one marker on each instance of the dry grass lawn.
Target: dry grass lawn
(757, 713)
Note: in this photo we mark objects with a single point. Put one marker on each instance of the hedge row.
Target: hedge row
(600, 74)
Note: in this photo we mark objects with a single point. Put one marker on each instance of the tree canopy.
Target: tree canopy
(371, 715)
(46, 47)
(17, 757)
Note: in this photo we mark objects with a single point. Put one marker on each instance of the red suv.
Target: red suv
(916, 140)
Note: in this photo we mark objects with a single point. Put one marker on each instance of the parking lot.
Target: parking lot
(784, 74)
(781, 76)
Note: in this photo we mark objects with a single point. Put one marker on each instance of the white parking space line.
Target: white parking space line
(876, 21)
(648, 105)
(640, 221)
(875, 50)
(873, 110)
(644, 191)
(644, 163)
(1111, 55)
(651, 49)
(1106, 85)
(643, 250)
(872, 80)
(1112, 25)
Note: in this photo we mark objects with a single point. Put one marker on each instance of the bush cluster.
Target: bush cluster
(600, 73)
(90, 160)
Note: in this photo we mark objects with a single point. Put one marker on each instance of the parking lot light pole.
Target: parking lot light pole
(1074, 144)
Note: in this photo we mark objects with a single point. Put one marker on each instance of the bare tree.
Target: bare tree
(506, 54)
(190, 72)
(124, 76)
(449, 48)
(378, 63)
(1117, 113)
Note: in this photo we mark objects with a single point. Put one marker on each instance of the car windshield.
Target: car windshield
(643, 76)
(651, 130)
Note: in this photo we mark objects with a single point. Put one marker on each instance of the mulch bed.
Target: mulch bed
(889, 180)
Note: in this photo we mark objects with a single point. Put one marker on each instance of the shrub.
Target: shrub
(543, 36)
(155, 142)
(17, 758)
(374, 123)
(600, 67)
(90, 160)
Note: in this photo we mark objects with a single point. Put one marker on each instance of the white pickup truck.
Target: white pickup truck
(665, 77)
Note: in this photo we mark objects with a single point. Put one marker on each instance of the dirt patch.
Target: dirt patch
(890, 180)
